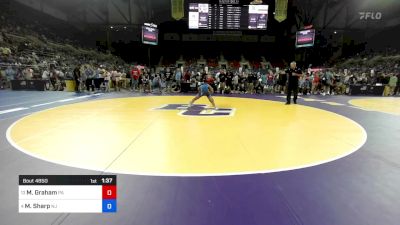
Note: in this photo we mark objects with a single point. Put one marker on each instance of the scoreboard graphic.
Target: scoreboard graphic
(67, 194)
(305, 38)
(149, 34)
(227, 15)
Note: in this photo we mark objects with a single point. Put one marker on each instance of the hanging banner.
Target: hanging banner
(281, 10)
(177, 9)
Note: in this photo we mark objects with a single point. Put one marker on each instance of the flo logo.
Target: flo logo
(370, 15)
(197, 110)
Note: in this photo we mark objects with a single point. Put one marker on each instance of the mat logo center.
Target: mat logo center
(197, 110)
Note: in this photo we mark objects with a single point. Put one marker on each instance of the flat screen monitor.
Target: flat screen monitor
(305, 38)
(149, 35)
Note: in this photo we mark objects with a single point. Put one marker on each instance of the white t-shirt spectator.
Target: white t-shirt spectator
(114, 75)
(118, 77)
(235, 79)
(45, 75)
(61, 74)
(29, 74)
(107, 77)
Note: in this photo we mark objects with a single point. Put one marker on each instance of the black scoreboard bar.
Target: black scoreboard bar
(67, 180)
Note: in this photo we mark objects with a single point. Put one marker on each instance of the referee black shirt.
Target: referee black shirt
(292, 77)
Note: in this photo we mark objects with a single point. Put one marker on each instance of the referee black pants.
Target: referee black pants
(77, 82)
(292, 88)
(89, 84)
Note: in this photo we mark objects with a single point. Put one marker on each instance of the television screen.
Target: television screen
(149, 35)
(305, 38)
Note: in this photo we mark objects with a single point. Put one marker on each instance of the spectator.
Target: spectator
(193, 83)
(209, 79)
(89, 82)
(306, 85)
(28, 74)
(392, 84)
(340, 87)
(45, 74)
(242, 83)
(135, 73)
(229, 79)
(326, 82)
(186, 77)
(222, 82)
(270, 82)
(235, 82)
(263, 80)
(250, 81)
(146, 83)
(9, 76)
(115, 79)
(10, 73)
(178, 78)
(156, 83)
(120, 80)
(281, 83)
(107, 79)
(3, 80)
(258, 87)
(77, 79)
(397, 90)
(168, 80)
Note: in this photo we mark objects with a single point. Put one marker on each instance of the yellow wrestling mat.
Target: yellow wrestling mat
(385, 105)
(159, 136)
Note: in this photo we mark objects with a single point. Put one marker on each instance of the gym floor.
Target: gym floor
(254, 160)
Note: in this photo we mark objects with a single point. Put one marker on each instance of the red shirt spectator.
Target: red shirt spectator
(135, 73)
(270, 77)
(187, 76)
(316, 79)
(210, 80)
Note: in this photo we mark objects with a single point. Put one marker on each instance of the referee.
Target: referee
(293, 74)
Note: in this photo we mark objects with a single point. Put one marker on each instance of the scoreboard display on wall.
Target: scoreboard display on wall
(228, 15)
(149, 34)
(305, 38)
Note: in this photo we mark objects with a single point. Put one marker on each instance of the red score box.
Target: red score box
(109, 191)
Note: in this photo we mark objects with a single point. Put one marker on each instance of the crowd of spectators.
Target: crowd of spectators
(324, 81)
(372, 69)
(26, 54)
(95, 75)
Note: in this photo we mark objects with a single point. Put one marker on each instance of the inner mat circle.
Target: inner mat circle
(158, 135)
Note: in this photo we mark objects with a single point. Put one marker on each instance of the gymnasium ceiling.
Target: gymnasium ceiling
(335, 14)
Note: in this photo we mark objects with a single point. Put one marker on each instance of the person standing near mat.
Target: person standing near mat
(77, 78)
(293, 74)
(204, 90)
